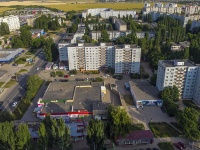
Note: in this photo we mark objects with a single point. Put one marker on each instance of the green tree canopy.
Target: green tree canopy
(119, 122)
(4, 29)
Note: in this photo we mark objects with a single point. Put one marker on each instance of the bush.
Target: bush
(119, 77)
(59, 73)
(52, 74)
(73, 71)
(98, 80)
(91, 72)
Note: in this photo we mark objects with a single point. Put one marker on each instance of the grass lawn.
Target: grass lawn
(165, 146)
(30, 52)
(1, 83)
(190, 103)
(27, 64)
(22, 70)
(21, 60)
(162, 129)
(138, 126)
(10, 83)
(128, 99)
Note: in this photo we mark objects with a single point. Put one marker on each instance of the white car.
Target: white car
(37, 68)
(71, 75)
(107, 75)
(14, 104)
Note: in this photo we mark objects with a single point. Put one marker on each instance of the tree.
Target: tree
(22, 137)
(104, 36)
(4, 29)
(26, 37)
(16, 42)
(95, 135)
(48, 49)
(43, 139)
(57, 133)
(119, 122)
(189, 121)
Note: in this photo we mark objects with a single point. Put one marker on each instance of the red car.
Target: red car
(66, 76)
(178, 146)
(182, 145)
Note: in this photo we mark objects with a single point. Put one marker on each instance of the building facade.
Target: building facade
(12, 21)
(183, 74)
(124, 58)
(107, 12)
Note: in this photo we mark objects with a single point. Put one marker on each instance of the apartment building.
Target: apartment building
(87, 56)
(113, 35)
(120, 25)
(12, 21)
(182, 73)
(107, 12)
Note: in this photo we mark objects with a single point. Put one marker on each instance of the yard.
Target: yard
(165, 146)
(10, 83)
(21, 60)
(163, 129)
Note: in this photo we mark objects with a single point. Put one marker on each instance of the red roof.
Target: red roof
(137, 135)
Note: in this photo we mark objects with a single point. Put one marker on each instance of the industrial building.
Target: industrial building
(107, 13)
(12, 21)
(144, 94)
(8, 55)
(183, 74)
(86, 56)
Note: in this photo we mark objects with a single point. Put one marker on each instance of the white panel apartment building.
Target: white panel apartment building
(124, 58)
(107, 12)
(182, 73)
(12, 21)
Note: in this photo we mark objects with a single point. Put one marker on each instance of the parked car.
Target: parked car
(14, 104)
(66, 76)
(38, 68)
(182, 145)
(178, 146)
(71, 75)
(14, 64)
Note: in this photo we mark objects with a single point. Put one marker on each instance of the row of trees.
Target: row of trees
(12, 137)
(33, 84)
(119, 125)
(47, 23)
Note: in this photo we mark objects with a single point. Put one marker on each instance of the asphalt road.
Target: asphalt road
(20, 89)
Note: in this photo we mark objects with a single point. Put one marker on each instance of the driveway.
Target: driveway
(148, 114)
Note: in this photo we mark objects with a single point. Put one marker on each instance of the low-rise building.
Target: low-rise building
(120, 25)
(144, 94)
(136, 137)
(141, 35)
(179, 46)
(8, 55)
(36, 33)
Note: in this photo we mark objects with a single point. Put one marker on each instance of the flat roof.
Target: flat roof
(9, 54)
(83, 97)
(143, 90)
(121, 22)
(170, 63)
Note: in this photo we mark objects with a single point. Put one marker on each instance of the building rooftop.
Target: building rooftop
(171, 63)
(74, 132)
(90, 44)
(121, 22)
(100, 108)
(137, 135)
(71, 96)
(9, 54)
(36, 30)
(143, 90)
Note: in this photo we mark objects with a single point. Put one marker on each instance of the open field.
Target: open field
(2, 9)
(71, 5)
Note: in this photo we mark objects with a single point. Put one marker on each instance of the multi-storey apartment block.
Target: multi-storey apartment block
(12, 21)
(182, 73)
(123, 58)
